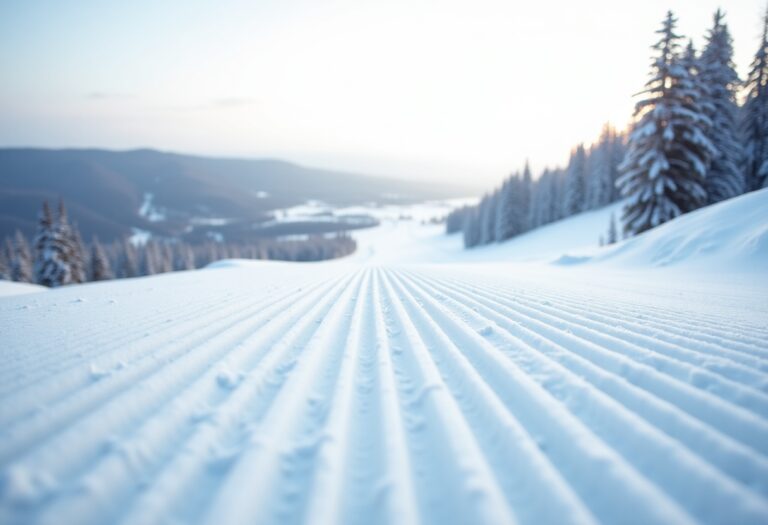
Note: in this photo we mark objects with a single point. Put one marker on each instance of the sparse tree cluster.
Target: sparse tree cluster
(691, 144)
(59, 257)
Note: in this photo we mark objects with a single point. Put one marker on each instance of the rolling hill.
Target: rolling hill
(109, 193)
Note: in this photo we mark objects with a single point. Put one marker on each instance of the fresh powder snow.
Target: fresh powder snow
(541, 380)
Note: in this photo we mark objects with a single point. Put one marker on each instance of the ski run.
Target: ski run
(370, 391)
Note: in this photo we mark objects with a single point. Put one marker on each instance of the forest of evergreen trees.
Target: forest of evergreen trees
(699, 136)
(57, 255)
(522, 203)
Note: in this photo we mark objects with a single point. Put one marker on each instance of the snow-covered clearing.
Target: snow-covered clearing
(413, 382)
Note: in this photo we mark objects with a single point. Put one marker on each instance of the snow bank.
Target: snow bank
(8, 288)
(235, 263)
(731, 236)
(261, 263)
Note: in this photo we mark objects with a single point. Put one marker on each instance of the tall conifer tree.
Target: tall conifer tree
(668, 152)
(21, 264)
(718, 75)
(754, 121)
(101, 269)
(51, 267)
(576, 183)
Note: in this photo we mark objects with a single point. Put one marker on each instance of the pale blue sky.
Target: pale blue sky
(425, 88)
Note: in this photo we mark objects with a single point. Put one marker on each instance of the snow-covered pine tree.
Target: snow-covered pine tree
(602, 173)
(6, 257)
(21, 263)
(507, 220)
(149, 258)
(613, 233)
(754, 117)
(211, 253)
(618, 152)
(721, 82)
(557, 210)
(487, 219)
(520, 204)
(575, 183)
(50, 267)
(113, 251)
(668, 152)
(80, 256)
(516, 202)
(471, 228)
(590, 167)
(541, 200)
(221, 250)
(184, 257)
(166, 258)
(698, 91)
(549, 195)
(128, 260)
(526, 191)
(72, 246)
(505, 227)
(101, 270)
(483, 209)
(454, 221)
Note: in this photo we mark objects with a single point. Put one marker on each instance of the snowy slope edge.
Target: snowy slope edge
(729, 236)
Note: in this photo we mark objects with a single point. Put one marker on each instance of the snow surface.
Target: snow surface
(388, 388)
(399, 241)
(729, 236)
(8, 288)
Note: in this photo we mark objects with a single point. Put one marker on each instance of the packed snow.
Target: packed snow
(10, 288)
(412, 382)
(729, 236)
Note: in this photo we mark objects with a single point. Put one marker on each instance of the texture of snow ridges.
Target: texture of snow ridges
(736, 459)
(680, 474)
(365, 394)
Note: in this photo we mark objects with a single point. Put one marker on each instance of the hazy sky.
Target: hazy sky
(457, 90)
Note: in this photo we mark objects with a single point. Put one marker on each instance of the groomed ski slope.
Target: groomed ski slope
(362, 392)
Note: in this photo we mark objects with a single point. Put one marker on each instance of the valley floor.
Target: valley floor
(360, 391)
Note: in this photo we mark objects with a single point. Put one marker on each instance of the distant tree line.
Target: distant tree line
(57, 254)
(692, 143)
(523, 203)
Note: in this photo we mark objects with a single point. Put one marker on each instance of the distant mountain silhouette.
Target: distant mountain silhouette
(106, 190)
